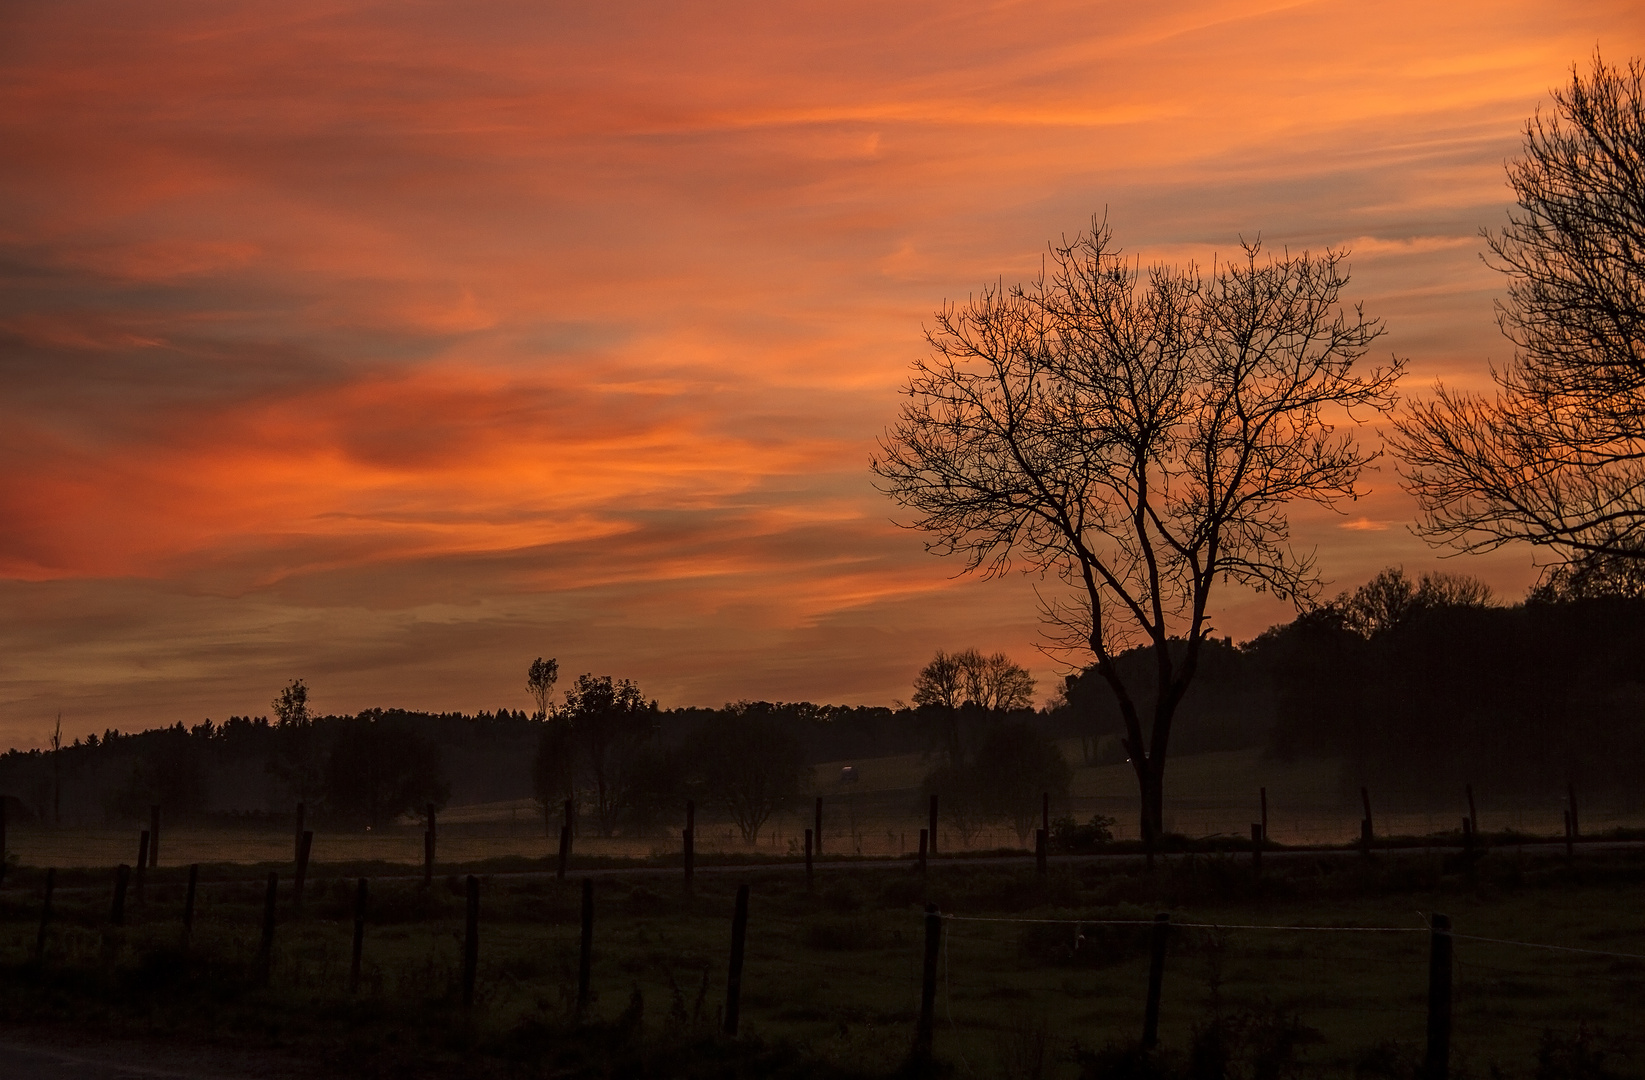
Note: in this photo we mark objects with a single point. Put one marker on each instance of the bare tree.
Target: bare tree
(996, 683)
(941, 682)
(1557, 456)
(1391, 599)
(1139, 435)
(1592, 576)
(539, 683)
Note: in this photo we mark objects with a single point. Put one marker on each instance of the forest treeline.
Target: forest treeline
(1413, 686)
(1422, 686)
(369, 768)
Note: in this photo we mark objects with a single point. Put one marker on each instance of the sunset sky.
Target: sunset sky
(391, 346)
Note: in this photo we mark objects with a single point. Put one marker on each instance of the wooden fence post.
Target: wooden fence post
(933, 825)
(928, 989)
(429, 842)
(1256, 849)
(1437, 1062)
(925, 842)
(1156, 976)
(471, 940)
(359, 936)
(45, 916)
(117, 912)
(188, 903)
(585, 956)
(154, 836)
(810, 881)
(817, 825)
(142, 860)
(265, 948)
(1473, 815)
(734, 978)
(1039, 852)
(433, 837)
(301, 876)
(1262, 794)
(688, 844)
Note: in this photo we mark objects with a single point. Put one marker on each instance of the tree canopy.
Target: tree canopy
(1556, 457)
(1139, 435)
(995, 683)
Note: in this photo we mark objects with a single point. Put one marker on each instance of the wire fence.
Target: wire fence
(1001, 980)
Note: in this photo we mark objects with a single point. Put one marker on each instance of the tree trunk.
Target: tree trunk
(1151, 786)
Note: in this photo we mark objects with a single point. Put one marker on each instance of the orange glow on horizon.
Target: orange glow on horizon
(386, 346)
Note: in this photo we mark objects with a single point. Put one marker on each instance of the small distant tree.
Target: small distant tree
(965, 693)
(609, 722)
(291, 706)
(539, 682)
(747, 764)
(995, 683)
(959, 800)
(942, 681)
(1390, 599)
(554, 769)
(297, 757)
(1015, 767)
(168, 771)
(379, 768)
(57, 772)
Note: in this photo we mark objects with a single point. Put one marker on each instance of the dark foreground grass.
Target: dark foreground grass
(831, 987)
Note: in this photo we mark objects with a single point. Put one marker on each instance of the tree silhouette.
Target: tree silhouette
(380, 767)
(1557, 456)
(539, 683)
(1138, 435)
(748, 763)
(609, 722)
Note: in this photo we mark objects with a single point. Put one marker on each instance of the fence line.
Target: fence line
(1439, 930)
(1324, 929)
(1555, 948)
(1193, 925)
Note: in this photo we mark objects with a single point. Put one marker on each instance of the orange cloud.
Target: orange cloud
(391, 344)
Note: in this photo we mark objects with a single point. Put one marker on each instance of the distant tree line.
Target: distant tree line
(1417, 685)
(628, 765)
(1426, 691)
(1422, 686)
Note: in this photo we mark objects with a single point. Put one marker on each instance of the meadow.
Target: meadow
(1212, 795)
(1037, 976)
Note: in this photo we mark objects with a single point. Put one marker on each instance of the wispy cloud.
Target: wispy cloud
(390, 345)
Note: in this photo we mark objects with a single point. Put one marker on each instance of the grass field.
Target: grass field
(832, 979)
(880, 814)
